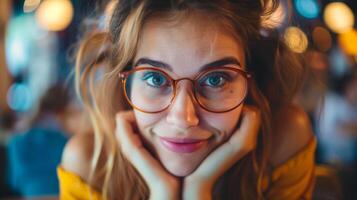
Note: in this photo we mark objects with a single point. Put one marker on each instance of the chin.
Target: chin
(181, 167)
(180, 171)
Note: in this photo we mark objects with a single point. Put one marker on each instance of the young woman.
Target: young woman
(188, 100)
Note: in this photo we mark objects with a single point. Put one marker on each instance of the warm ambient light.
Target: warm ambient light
(338, 17)
(295, 39)
(348, 42)
(322, 39)
(55, 15)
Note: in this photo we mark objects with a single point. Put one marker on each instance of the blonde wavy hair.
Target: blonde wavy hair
(103, 53)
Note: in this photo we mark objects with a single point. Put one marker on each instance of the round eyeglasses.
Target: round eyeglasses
(218, 90)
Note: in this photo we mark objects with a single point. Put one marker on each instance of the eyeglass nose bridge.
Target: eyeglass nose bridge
(175, 83)
(181, 79)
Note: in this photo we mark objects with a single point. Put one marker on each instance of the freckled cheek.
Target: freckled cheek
(226, 122)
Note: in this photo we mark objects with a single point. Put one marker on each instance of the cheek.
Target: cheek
(225, 122)
(145, 120)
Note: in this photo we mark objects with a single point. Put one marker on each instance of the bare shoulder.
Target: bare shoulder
(292, 131)
(77, 155)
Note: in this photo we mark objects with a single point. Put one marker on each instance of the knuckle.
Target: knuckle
(252, 111)
(255, 112)
(119, 116)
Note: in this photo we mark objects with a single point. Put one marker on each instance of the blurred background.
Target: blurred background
(39, 111)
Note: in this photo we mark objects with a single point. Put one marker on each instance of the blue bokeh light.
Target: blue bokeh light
(339, 64)
(19, 97)
(307, 8)
(20, 36)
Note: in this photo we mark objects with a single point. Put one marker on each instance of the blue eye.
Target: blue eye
(215, 80)
(155, 79)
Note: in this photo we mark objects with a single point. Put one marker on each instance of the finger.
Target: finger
(246, 134)
(127, 138)
(239, 144)
(127, 120)
(134, 151)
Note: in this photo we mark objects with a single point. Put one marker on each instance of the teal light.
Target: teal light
(307, 8)
(21, 34)
(19, 97)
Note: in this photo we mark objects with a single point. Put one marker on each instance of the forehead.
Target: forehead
(188, 44)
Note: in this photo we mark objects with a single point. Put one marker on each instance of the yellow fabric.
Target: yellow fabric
(72, 187)
(294, 179)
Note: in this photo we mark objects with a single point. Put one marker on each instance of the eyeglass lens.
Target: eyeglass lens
(217, 90)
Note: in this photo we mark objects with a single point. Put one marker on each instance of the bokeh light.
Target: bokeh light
(338, 62)
(338, 17)
(307, 8)
(18, 45)
(31, 5)
(317, 60)
(55, 15)
(295, 39)
(276, 19)
(19, 97)
(18, 54)
(321, 38)
(348, 42)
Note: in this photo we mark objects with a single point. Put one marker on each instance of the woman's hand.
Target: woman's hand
(199, 184)
(162, 184)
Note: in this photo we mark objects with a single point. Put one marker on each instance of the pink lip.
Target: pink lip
(182, 145)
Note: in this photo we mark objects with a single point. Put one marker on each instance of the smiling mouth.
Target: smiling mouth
(182, 145)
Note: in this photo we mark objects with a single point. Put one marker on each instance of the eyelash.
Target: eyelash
(149, 75)
(222, 75)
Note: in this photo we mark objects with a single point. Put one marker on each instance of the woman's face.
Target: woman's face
(184, 134)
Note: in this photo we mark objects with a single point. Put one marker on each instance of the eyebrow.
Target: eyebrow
(217, 63)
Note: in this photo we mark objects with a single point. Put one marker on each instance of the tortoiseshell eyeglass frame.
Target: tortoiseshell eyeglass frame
(125, 74)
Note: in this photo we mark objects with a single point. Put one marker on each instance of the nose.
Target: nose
(182, 112)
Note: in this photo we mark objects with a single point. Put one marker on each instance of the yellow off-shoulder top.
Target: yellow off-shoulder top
(294, 179)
